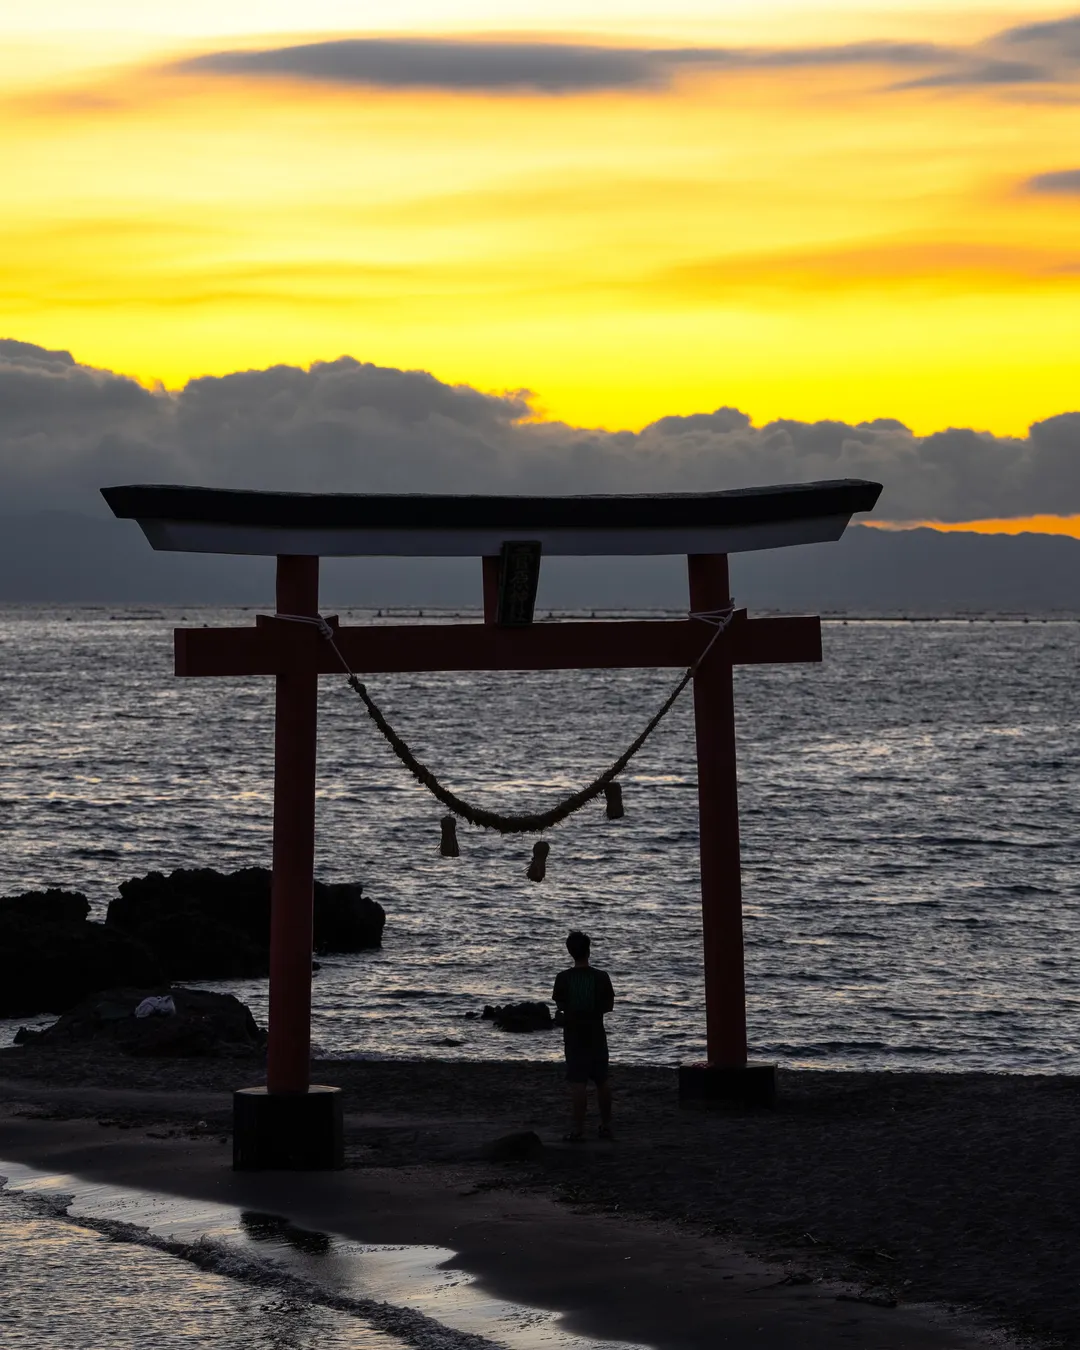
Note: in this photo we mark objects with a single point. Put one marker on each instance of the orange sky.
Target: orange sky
(1066, 525)
(802, 240)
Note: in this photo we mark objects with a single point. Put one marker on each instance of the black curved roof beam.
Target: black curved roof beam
(225, 520)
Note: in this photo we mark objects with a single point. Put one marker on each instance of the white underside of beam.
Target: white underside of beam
(194, 537)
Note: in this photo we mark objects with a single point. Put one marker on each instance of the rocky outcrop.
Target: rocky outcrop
(195, 924)
(345, 919)
(201, 1024)
(200, 924)
(206, 925)
(53, 906)
(519, 1016)
(51, 956)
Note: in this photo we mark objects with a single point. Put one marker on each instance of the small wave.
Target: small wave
(362, 1056)
(800, 1051)
(218, 1258)
(981, 841)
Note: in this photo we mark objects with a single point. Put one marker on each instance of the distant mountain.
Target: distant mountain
(64, 557)
(918, 571)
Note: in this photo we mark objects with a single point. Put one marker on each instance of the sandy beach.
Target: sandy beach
(833, 1220)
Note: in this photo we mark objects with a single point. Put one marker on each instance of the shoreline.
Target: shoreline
(953, 1190)
(619, 1282)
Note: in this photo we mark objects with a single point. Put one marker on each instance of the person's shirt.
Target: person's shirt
(583, 994)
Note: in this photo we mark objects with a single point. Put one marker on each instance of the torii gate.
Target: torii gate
(290, 1122)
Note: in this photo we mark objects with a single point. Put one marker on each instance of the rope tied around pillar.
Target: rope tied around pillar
(532, 822)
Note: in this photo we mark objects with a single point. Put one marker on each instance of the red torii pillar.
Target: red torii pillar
(296, 712)
(721, 867)
(290, 1123)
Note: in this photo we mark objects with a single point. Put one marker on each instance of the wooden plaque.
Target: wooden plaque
(519, 575)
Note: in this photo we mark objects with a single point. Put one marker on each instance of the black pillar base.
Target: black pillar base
(730, 1085)
(288, 1131)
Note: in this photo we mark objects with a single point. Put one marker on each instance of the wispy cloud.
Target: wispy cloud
(1057, 39)
(1038, 53)
(1065, 182)
(936, 265)
(1033, 54)
(537, 67)
(402, 63)
(976, 72)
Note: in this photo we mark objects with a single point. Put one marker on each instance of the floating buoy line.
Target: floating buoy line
(530, 822)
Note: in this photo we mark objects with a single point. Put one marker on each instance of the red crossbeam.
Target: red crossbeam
(281, 647)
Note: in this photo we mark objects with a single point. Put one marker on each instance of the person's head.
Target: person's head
(577, 944)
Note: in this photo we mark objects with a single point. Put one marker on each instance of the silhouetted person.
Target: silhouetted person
(583, 995)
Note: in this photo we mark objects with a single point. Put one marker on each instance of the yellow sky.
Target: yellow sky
(797, 240)
(120, 20)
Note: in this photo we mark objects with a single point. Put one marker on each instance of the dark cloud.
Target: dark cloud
(539, 67)
(1032, 54)
(11, 350)
(1064, 181)
(1036, 53)
(883, 424)
(848, 54)
(1057, 39)
(403, 63)
(721, 421)
(67, 429)
(45, 392)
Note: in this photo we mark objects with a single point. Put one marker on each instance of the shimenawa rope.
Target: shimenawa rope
(528, 822)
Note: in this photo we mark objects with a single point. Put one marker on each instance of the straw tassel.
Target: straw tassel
(448, 845)
(538, 867)
(613, 794)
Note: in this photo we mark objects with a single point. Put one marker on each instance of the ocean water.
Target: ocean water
(910, 817)
(87, 1266)
(71, 1288)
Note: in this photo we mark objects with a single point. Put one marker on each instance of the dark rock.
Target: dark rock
(51, 906)
(521, 1146)
(205, 1024)
(204, 925)
(201, 924)
(519, 1016)
(192, 925)
(345, 919)
(51, 956)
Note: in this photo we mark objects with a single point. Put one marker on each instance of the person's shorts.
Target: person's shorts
(585, 1060)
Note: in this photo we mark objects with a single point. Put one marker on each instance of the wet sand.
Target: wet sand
(695, 1228)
